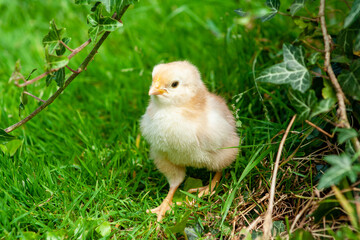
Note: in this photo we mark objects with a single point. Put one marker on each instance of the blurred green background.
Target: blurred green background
(79, 165)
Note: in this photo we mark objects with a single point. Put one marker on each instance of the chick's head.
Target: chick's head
(175, 83)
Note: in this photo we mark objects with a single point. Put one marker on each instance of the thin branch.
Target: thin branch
(67, 47)
(301, 17)
(31, 95)
(312, 47)
(78, 49)
(319, 129)
(72, 70)
(344, 122)
(37, 78)
(319, 75)
(83, 65)
(268, 219)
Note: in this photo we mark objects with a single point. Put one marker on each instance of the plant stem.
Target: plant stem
(344, 122)
(83, 65)
(268, 218)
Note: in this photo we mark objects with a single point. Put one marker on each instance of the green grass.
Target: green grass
(79, 165)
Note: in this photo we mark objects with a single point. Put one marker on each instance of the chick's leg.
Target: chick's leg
(175, 175)
(209, 188)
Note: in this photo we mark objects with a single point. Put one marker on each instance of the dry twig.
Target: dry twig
(268, 217)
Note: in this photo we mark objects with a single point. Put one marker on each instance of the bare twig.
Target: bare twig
(319, 75)
(319, 129)
(344, 122)
(36, 79)
(312, 47)
(31, 95)
(78, 49)
(72, 70)
(68, 81)
(268, 219)
(67, 47)
(301, 17)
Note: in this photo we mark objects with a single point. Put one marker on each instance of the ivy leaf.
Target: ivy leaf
(328, 91)
(274, 6)
(52, 39)
(296, 6)
(323, 106)
(350, 80)
(5, 137)
(104, 229)
(345, 39)
(16, 75)
(240, 12)
(100, 22)
(353, 15)
(341, 167)
(58, 77)
(314, 58)
(303, 103)
(53, 61)
(292, 71)
(110, 5)
(180, 225)
(62, 49)
(346, 134)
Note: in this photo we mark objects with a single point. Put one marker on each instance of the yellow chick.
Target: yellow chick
(186, 125)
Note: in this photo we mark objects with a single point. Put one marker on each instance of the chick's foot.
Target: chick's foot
(165, 205)
(209, 188)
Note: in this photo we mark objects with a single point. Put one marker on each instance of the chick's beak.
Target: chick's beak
(155, 90)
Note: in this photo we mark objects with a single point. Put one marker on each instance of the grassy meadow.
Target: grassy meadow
(83, 170)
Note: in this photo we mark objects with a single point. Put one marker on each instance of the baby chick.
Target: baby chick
(186, 125)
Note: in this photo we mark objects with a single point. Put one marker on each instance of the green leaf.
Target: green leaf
(16, 73)
(292, 71)
(110, 5)
(353, 15)
(350, 80)
(346, 134)
(5, 137)
(301, 234)
(323, 106)
(314, 58)
(99, 23)
(104, 229)
(62, 49)
(56, 235)
(180, 225)
(54, 62)
(58, 77)
(29, 236)
(296, 6)
(328, 91)
(341, 168)
(240, 12)
(13, 146)
(274, 6)
(345, 39)
(303, 103)
(52, 39)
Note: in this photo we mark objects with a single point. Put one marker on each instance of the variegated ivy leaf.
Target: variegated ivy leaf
(323, 106)
(303, 103)
(100, 22)
(353, 15)
(53, 61)
(292, 71)
(274, 6)
(350, 80)
(52, 39)
(296, 6)
(110, 5)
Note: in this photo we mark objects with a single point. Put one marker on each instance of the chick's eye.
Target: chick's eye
(175, 84)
